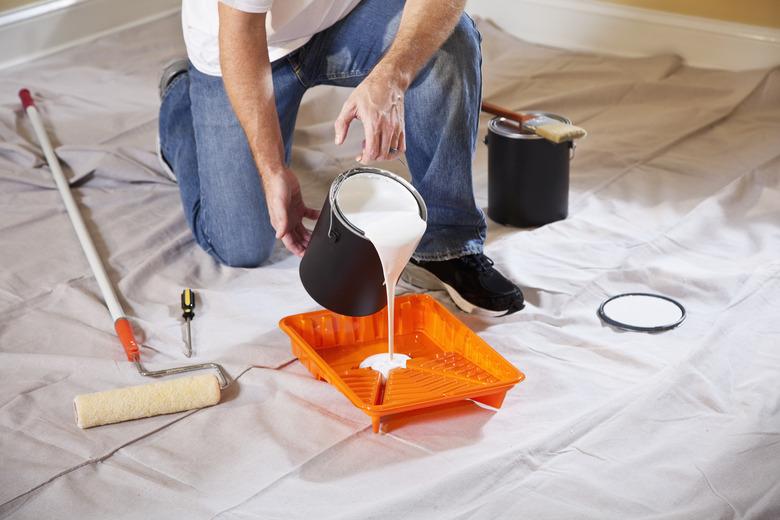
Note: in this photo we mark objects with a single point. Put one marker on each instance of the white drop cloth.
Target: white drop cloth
(676, 191)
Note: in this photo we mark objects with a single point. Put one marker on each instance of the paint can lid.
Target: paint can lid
(642, 312)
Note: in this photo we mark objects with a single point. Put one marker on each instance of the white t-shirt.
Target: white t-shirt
(289, 24)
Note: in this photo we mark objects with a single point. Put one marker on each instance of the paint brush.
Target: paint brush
(543, 126)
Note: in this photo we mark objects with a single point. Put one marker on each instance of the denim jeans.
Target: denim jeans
(204, 144)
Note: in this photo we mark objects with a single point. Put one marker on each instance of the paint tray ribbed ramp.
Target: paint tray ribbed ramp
(449, 361)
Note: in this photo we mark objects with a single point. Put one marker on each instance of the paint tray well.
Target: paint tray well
(449, 361)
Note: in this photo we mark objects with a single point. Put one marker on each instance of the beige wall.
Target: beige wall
(754, 12)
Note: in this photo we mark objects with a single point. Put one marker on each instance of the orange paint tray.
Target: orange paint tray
(449, 361)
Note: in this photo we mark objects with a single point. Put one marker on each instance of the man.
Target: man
(227, 119)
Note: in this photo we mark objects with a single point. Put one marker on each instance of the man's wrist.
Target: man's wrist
(272, 171)
(390, 71)
(269, 160)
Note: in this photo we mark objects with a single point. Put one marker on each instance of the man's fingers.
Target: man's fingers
(304, 237)
(373, 139)
(281, 227)
(341, 125)
(396, 132)
(292, 244)
(297, 240)
(311, 213)
(395, 143)
(281, 231)
(388, 135)
(359, 158)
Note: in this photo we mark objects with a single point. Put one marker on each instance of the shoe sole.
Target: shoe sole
(423, 279)
(170, 70)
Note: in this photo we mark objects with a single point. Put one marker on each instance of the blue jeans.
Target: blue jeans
(203, 142)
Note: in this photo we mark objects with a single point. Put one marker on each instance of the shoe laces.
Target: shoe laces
(479, 262)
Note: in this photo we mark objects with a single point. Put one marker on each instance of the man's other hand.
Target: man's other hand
(287, 210)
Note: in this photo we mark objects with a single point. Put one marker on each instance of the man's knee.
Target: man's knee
(243, 248)
(457, 63)
(464, 42)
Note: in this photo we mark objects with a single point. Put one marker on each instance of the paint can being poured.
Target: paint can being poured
(368, 229)
(341, 269)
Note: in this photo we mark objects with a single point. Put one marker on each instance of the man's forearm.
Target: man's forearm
(246, 72)
(425, 26)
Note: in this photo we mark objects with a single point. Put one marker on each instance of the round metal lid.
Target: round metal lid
(642, 312)
(513, 130)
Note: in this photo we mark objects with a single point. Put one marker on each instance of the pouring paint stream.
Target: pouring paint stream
(389, 216)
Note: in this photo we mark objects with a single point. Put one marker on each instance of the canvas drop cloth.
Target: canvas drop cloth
(676, 191)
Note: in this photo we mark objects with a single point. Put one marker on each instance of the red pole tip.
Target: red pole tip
(26, 97)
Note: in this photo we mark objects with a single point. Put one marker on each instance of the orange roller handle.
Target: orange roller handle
(125, 332)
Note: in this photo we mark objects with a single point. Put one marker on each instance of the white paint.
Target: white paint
(644, 311)
(384, 363)
(606, 28)
(389, 216)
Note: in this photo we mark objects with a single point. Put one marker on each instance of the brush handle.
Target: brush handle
(496, 110)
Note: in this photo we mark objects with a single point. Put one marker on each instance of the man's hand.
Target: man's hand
(286, 209)
(379, 99)
(378, 102)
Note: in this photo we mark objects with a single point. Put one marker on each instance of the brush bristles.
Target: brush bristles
(559, 132)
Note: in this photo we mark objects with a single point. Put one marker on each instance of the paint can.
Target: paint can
(341, 269)
(528, 176)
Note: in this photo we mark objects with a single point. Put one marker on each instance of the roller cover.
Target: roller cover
(136, 402)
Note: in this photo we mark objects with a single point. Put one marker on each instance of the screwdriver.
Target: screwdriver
(188, 312)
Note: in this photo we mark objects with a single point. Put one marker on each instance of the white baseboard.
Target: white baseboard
(591, 25)
(49, 27)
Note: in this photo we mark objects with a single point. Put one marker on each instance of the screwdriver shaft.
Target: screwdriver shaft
(189, 340)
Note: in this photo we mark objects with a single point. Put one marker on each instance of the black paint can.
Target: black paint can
(528, 176)
(341, 269)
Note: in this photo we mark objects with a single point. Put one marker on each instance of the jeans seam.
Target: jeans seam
(210, 247)
(296, 69)
(343, 75)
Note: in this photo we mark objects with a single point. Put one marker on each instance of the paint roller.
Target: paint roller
(134, 402)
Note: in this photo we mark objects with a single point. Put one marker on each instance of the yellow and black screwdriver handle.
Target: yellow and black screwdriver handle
(188, 304)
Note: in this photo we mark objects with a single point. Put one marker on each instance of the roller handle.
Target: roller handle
(121, 325)
(496, 110)
(26, 97)
(125, 332)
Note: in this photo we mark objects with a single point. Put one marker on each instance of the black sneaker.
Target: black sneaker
(472, 282)
(170, 71)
